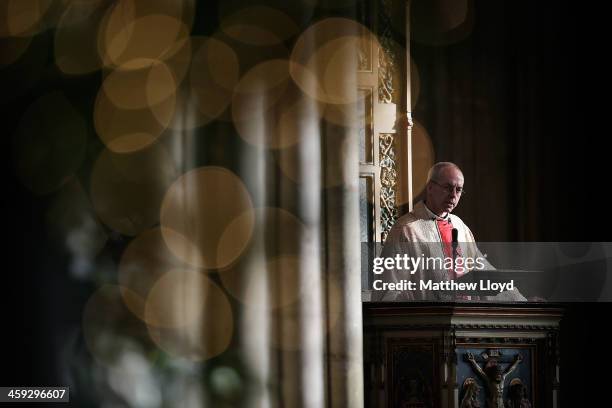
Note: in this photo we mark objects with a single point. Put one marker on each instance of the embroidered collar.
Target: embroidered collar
(434, 216)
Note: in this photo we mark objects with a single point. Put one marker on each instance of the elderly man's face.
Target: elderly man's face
(443, 193)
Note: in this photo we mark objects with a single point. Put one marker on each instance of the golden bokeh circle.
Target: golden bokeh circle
(176, 299)
(127, 189)
(277, 279)
(280, 125)
(200, 98)
(259, 25)
(200, 206)
(143, 262)
(271, 266)
(210, 328)
(108, 328)
(441, 22)
(292, 324)
(132, 33)
(339, 56)
(259, 89)
(21, 18)
(322, 56)
(423, 157)
(346, 114)
(76, 36)
(213, 75)
(140, 88)
(129, 130)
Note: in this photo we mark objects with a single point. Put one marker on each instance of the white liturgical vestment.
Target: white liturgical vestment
(416, 234)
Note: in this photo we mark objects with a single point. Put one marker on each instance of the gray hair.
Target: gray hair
(436, 169)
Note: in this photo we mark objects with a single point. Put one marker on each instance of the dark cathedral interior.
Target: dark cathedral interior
(190, 187)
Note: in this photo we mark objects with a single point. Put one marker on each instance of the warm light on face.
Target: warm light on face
(442, 194)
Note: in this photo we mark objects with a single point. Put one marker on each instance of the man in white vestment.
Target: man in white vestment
(427, 232)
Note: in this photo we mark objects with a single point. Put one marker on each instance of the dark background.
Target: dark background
(520, 104)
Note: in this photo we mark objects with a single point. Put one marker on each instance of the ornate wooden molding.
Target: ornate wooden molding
(388, 180)
(387, 60)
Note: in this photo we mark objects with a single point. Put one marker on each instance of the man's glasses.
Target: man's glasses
(450, 189)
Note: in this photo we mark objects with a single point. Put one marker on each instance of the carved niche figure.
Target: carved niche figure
(415, 393)
(470, 398)
(517, 395)
(494, 377)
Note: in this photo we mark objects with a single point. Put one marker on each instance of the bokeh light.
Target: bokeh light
(141, 88)
(251, 55)
(109, 329)
(423, 157)
(275, 14)
(132, 33)
(322, 56)
(176, 299)
(22, 17)
(346, 114)
(269, 110)
(213, 75)
(147, 38)
(277, 279)
(76, 37)
(259, 89)
(292, 323)
(124, 130)
(276, 276)
(183, 295)
(259, 25)
(441, 22)
(143, 262)
(49, 144)
(200, 206)
(127, 189)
